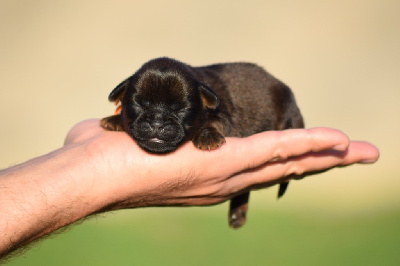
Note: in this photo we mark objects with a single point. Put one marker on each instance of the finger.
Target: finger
(254, 151)
(272, 173)
(357, 152)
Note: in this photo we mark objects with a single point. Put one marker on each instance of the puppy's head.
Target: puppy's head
(163, 104)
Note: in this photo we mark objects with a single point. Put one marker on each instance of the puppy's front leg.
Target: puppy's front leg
(209, 137)
(112, 123)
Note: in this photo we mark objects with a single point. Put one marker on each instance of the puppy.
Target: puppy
(167, 102)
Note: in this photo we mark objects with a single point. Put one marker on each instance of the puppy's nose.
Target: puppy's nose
(157, 125)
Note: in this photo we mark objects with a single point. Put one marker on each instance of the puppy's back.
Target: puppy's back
(252, 99)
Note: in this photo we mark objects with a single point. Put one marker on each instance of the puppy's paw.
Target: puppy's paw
(208, 139)
(237, 216)
(238, 210)
(112, 123)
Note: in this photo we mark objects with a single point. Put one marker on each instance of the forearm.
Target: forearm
(42, 195)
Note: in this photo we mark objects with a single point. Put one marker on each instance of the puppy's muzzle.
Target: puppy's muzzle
(156, 131)
(158, 136)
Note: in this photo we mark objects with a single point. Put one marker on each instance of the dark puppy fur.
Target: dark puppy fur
(166, 103)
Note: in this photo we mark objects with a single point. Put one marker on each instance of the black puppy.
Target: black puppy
(166, 103)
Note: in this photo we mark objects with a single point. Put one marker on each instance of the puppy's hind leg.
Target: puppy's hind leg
(295, 120)
(238, 210)
(282, 189)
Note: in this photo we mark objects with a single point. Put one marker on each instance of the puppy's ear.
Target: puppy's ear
(119, 91)
(208, 97)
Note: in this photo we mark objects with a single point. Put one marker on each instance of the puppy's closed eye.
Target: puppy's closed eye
(143, 103)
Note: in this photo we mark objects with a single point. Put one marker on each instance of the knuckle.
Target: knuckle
(295, 169)
(279, 154)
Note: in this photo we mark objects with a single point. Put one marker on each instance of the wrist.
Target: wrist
(80, 182)
(45, 194)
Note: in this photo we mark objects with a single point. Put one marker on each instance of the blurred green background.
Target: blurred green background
(60, 59)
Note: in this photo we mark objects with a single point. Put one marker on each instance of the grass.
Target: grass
(200, 236)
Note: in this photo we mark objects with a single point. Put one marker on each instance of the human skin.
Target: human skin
(98, 171)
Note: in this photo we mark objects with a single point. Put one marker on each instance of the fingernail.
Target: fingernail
(366, 161)
(340, 147)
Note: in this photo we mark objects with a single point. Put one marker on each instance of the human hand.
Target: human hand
(100, 170)
(125, 176)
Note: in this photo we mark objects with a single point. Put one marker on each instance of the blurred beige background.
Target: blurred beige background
(60, 59)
